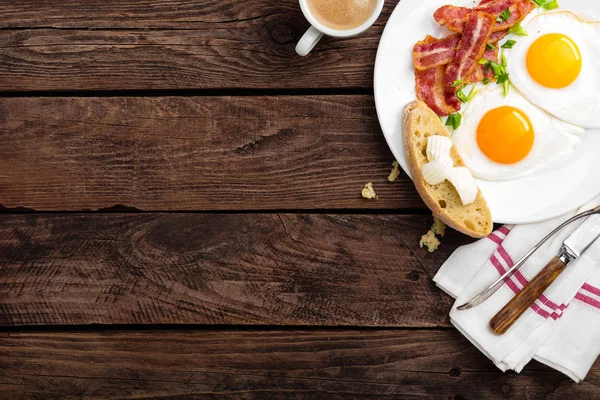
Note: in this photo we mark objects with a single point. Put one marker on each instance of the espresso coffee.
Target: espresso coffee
(342, 14)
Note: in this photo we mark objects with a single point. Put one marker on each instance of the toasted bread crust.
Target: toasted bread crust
(474, 220)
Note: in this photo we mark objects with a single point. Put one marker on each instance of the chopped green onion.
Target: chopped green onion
(504, 16)
(449, 120)
(502, 78)
(484, 61)
(472, 93)
(500, 73)
(454, 120)
(457, 121)
(457, 83)
(547, 4)
(509, 44)
(497, 68)
(461, 96)
(551, 5)
(490, 46)
(518, 30)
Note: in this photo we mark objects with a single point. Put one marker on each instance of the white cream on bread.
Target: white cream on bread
(440, 168)
(438, 146)
(462, 179)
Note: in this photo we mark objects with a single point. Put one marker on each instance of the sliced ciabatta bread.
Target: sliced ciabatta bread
(475, 219)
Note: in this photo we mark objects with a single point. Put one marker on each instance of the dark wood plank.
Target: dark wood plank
(268, 365)
(195, 153)
(145, 14)
(283, 269)
(174, 45)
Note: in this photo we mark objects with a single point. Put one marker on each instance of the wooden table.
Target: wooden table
(181, 216)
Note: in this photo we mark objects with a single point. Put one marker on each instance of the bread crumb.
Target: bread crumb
(368, 192)
(395, 172)
(430, 241)
(438, 227)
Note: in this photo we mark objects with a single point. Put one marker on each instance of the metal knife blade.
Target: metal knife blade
(583, 237)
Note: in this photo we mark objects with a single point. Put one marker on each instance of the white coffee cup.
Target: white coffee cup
(312, 36)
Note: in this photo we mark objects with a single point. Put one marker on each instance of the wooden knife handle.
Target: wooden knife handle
(526, 297)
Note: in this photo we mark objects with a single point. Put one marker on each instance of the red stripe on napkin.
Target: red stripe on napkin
(588, 300)
(591, 289)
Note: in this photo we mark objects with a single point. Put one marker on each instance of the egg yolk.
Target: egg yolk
(554, 61)
(505, 135)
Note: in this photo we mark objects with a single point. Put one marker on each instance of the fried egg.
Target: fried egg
(557, 66)
(506, 137)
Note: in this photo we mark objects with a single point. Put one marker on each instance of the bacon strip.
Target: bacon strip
(496, 8)
(497, 36)
(455, 17)
(470, 51)
(518, 12)
(430, 86)
(431, 52)
(479, 72)
(452, 16)
(475, 76)
(430, 89)
(524, 8)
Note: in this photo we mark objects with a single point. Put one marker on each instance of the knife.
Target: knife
(572, 248)
(490, 290)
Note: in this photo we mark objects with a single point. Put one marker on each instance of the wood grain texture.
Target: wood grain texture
(514, 309)
(146, 14)
(278, 269)
(196, 153)
(177, 44)
(354, 364)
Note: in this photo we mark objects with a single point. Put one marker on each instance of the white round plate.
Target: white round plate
(530, 199)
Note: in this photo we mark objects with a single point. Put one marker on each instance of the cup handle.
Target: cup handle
(308, 41)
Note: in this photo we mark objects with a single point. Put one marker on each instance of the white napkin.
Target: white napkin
(562, 328)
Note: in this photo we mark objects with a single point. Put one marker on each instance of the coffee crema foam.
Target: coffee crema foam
(342, 14)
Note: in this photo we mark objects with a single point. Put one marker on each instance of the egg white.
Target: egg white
(579, 103)
(553, 145)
